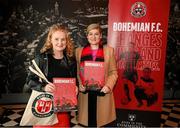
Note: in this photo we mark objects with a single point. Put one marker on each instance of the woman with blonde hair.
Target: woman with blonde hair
(96, 109)
(55, 60)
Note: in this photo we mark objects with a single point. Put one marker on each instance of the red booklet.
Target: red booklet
(93, 75)
(65, 98)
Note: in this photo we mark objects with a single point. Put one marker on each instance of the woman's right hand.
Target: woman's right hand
(82, 88)
(49, 87)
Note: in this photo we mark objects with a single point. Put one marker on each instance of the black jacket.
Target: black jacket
(33, 81)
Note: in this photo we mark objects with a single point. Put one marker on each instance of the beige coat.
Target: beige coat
(105, 104)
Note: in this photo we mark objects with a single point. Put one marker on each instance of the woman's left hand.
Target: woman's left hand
(105, 89)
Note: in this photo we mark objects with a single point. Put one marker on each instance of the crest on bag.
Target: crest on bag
(42, 106)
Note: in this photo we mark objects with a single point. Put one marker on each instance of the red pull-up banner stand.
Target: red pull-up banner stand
(138, 32)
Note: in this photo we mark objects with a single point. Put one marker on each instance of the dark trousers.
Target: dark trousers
(92, 109)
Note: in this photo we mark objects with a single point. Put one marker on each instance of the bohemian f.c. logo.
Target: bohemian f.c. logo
(131, 117)
(43, 106)
(138, 9)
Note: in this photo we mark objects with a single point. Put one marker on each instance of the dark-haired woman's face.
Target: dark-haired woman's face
(94, 36)
(58, 41)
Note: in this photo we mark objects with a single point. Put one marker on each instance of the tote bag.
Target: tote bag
(39, 110)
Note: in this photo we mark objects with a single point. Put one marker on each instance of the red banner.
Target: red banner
(138, 32)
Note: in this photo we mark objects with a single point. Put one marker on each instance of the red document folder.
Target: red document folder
(93, 75)
(65, 98)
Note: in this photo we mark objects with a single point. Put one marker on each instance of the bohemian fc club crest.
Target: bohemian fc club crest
(131, 117)
(138, 9)
(43, 106)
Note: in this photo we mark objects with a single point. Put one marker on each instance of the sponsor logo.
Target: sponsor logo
(131, 117)
(43, 106)
(138, 9)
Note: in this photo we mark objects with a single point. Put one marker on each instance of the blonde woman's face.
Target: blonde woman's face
(94, 36)
(58, 41)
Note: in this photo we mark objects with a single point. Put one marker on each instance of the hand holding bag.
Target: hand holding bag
(39, 110)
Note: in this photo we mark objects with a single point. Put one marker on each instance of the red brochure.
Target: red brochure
(93, 75)
(65, 98)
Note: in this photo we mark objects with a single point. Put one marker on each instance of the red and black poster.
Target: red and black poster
(138, 32)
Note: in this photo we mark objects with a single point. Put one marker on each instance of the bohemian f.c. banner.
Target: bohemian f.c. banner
(138, 32)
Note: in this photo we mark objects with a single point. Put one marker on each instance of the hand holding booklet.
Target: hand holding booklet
(40, 109)
(65, 98)
(94, 75)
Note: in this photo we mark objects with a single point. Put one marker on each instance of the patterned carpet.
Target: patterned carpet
(170, 116)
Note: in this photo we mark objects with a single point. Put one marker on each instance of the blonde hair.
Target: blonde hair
(94, 26)
(48, 45)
